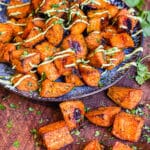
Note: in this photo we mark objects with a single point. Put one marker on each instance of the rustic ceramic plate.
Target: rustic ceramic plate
(108, 78)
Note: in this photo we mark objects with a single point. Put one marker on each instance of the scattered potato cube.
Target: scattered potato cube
(56, 135)
(127, 127)
(103, 116)
(73, 112)
(121, 146)
(125, 97)
(93, 145)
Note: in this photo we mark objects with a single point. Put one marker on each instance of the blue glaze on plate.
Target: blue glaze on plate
(108, 79)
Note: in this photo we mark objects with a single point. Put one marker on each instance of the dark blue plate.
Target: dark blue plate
(108, 78)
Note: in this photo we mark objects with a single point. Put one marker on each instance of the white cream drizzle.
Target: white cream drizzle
(18, 5)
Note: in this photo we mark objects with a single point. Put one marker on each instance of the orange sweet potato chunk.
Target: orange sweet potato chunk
(51, 89)
(122, 40)
(125, 97)
(93, 145)
(56, 135)
(90, 75)
(127, 127)
(121, 146)
(73, 112)
(103, 116)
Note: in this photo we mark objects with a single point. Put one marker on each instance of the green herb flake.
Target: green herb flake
(39, 112)
(16, 144)
(31, 109)
(2, 107)
(134, 147)
(97, 133)
(41, 121)
(13, 106)
(55, 5)
(9, 124)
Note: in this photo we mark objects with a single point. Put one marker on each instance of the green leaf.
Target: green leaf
(13, 106)
(16, 144)
(2, 107)
(132, 3)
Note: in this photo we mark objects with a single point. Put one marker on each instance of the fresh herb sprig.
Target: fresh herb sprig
(143, 14)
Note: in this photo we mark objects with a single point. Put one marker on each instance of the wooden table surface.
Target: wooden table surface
(22, 117)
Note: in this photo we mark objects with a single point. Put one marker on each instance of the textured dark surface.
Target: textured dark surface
(107, 79)
(23, 120)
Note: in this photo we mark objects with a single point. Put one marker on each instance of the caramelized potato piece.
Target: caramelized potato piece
(34, 37)
(36, 4)
(103, 116)
(39, 22)
(93, 145)
(125, 22)
(113, 10)
(73, 112)
(115, 59)
(127, 127)
(18, 9)
(96, 4)
(55, 89)
(56, 135)
(77, 43)
(122, 40)
(6, 49)
(28, 82)
(121, 146)
(50, 71)
(90, 75)
(24, 61)
(125, 97)
(45, 49)
(17, 27)
(55, 34)
(74, 79)
(97, 59)
(66, 64)
(93, 40)
(54, 7)
(79, 27)
(6, 33)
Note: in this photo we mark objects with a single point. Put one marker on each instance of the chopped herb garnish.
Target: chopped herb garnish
(41, 121)
(137, 111)
(39, 112)
(31, 109)
(18, 47)
(134, 147)
(55, 5)
(2, 107)
(76, 132)
(97, 133)
(16, 144)
(9, 124)
(147, 138)
(13, 106)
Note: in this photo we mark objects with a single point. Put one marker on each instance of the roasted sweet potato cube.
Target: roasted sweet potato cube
(28, 82)
(24, 61)
(77, 43)
(56, 135)
(39, 22)
(93, 145)
(34, 37)
(79, 27)
(93, 40)
(127, 127)
(51, 89)
(94, 25)
(122, 40)
(113, 10)
(74, 79)
(5, 50)
(97, 4)
(50, 71)
(125, 97)
(97, 59)
(18, 9)
(90, 75)
(125, 22)
(115, 59)
(55, 34)
(6, 33)
(66, 64)
(53, 7)
(121, 146)
(103, 116)
(36, 4)
(73, 112)
(45, 49)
